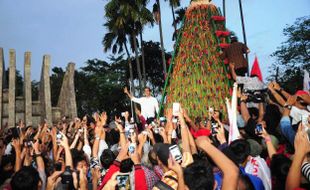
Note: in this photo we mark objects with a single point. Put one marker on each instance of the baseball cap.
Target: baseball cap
(162, 152)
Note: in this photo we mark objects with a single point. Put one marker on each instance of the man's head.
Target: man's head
(147, 91)
(107, 157)
(26, 178)
(233, 39)
(241, 150)
(199, 175)
(79, 159)
(162, 154)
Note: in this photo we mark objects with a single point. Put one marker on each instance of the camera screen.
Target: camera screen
(175, 152)
(259, 128)
(123, 182)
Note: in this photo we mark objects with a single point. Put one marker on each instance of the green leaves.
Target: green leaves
(293, 55)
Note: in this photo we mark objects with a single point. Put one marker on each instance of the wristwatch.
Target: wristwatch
(287, 106)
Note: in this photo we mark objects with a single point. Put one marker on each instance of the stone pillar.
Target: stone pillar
(27, 89)
(12, 80)
(45, 91)
(1, 82)
(67, 101)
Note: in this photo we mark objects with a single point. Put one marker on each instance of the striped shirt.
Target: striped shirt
(305, 170)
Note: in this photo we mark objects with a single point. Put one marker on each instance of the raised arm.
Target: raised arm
(184, 133)
(229, 169)
(277, 87)
(128, 93)
(18, 161)
(38, 156)
(261, 111)
(302, 147)
(122, 137)
(276, 95)
(244, 110)
(68, 156)
(232, 71)
(270, 148)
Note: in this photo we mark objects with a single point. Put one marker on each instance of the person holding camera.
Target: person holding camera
(149, 104)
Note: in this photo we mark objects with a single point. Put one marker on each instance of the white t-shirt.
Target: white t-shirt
(258, 167)
(149, 105)
(297, 113)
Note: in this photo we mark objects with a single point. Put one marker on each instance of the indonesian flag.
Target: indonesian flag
(306, 81)
(256, 70)
(232, 115)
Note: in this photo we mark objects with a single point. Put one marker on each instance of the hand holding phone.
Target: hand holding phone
(259, 129)
(176, 153)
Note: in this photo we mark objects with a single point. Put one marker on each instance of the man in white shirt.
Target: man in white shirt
(149, 104)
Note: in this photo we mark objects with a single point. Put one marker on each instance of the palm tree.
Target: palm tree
(174, 4)
(157, 16)
(142, 17)
(130, 18)
(180, 13)
(116, 37)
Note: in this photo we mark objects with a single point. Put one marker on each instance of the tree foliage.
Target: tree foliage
(293, 55)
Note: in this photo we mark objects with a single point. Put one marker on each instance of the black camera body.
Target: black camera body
(255, 96)
(66, 177)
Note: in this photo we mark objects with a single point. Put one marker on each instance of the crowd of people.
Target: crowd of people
(174, 152)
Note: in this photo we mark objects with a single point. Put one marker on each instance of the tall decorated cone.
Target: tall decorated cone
(199, 79)
(256, 69)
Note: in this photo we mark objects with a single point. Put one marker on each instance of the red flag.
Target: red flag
(256, 70)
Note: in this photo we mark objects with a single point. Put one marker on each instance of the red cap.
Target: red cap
(301, 92)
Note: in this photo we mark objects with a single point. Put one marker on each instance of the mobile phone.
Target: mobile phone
(58, 138)
(211, 110)
(123, 114)
(175, 153)
(214, 128)
(175, 108)
(259, 129)
(94, 163)
(123, 181)
(131, 148)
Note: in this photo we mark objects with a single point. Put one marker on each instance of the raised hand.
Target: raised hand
(135, 157)
(221, 134)
(126, 90)
(276, 86)
(51, 180)
(111, 184)
(174, 166)
(64, 140)
(16, 144)
(301, 143)
(291, 100)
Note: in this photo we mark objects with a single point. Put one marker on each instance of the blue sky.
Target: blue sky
(71, 30)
